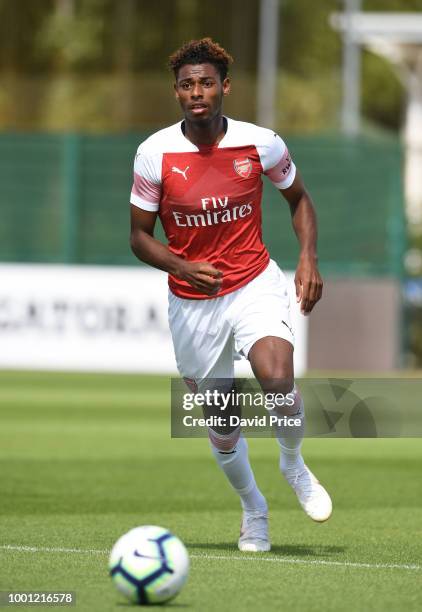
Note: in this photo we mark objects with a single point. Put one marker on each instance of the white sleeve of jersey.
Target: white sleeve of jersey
(146, 189)
(276, 161)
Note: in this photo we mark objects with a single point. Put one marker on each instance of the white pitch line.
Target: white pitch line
(205, 556)
(36, 549)
(311, 562)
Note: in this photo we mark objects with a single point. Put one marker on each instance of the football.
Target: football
(149, 565)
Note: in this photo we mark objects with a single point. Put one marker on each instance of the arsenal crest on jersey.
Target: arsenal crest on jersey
(243, 167)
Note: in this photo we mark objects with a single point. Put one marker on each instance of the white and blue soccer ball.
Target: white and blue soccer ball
(149, 565)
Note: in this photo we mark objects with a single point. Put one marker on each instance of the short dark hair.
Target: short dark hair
(202, 51)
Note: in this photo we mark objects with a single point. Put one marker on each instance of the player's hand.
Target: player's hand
(308, 283)
(202, 276)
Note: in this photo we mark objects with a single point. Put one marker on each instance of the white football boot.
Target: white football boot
(312, 496)
(254, 532)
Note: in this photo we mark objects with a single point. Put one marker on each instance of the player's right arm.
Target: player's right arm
(145, 199)
(201, 275)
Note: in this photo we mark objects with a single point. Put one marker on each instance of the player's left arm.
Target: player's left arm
(308, 280)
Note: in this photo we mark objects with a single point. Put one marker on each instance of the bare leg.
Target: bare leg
(271, 359)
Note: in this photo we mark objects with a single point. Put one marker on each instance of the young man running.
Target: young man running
(202, 177)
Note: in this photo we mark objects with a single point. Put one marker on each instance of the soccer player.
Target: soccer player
(202, 177)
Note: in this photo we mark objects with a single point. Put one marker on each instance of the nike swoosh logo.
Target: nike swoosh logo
(138, 554)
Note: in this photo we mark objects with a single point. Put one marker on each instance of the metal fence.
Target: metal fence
(64, 198)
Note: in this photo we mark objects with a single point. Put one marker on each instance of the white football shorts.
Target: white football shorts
(209, 334)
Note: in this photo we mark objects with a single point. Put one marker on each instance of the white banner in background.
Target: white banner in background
(95, 318)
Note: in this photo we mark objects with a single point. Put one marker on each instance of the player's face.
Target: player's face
(200, 91)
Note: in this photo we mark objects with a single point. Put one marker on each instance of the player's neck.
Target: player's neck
(208, 134)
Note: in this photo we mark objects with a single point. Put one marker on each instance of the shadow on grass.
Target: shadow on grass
(171, 604)
(297, 550)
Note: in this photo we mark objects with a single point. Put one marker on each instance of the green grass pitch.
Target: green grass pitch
(83, 458)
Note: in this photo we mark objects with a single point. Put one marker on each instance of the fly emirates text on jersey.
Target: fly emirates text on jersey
(215, 210)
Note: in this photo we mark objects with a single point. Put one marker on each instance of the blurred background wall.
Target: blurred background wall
(84, 81)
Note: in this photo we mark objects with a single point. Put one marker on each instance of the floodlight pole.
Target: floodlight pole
(398, 38)
(413, 139)
(350, 112)
(267, 62)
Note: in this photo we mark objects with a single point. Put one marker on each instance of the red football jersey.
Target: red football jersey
(208, 198)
